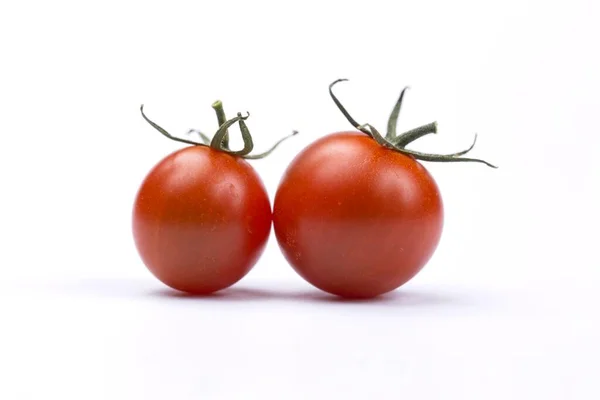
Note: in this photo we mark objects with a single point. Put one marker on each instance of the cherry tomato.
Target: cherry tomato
(201, 219)
(202, 216)
(356, 219)
(356, 214)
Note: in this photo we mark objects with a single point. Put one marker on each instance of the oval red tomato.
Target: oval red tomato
(357, 219)
(201, 219)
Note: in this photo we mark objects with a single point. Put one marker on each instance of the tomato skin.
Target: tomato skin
(201, 219)
(356, 219)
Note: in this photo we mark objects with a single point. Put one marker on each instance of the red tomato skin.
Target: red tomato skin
(356, 219)
(201, 220)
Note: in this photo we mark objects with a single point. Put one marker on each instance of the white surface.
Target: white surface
(507, 308)
(130, 339)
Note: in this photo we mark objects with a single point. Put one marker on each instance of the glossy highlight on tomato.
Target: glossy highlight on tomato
(356, 214)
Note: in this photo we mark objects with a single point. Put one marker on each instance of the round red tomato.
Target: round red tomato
(356, 214)
(201, 219)
(202, 216)
(357, 219)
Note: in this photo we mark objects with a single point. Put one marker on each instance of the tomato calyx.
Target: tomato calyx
(397, 142)
(220, 140)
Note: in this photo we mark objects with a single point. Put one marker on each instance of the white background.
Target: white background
(506, 309)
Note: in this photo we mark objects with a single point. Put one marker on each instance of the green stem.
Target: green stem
(463, 152)
(218, 107)
(345, 112)
(246, 137)
(164, 132)
(266, 153)
(205, 139)
(442, 157)
(410, 136)
(217, 140)
(393, 120)
(396, 144)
